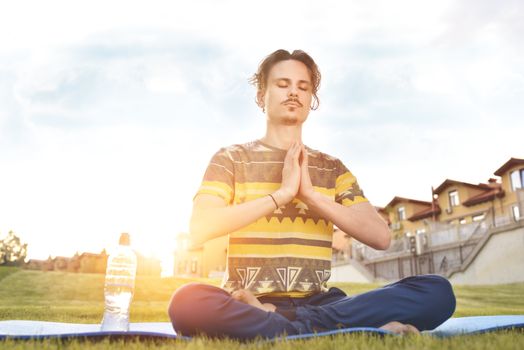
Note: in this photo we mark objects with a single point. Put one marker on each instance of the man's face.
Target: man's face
(287, 98)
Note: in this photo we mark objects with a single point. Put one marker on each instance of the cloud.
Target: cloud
(111, 112)
(121, 77)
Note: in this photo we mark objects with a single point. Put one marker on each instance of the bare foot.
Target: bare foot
(400, 328)
(247, 297)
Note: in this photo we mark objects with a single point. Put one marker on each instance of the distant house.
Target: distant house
(512, 175)
(464, 203)
(83, 263)
(205, 260)
(406, 215)
(35, 264)
(91, 262)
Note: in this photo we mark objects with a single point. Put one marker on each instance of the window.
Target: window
(454, 198)
(401, 213)
(194, 265)
(517, 179)
(516, 212)
(478, 217)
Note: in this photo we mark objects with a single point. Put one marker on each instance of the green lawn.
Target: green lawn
(67, 297)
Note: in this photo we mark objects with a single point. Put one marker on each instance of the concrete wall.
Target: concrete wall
(501, 260)
(349, 273)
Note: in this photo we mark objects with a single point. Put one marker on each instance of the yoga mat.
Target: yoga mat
(16, 329)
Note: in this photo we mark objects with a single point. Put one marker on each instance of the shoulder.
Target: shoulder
(238, 151)
(322, 157)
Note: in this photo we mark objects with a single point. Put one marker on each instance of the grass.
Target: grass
(6, 271)
(67, 297)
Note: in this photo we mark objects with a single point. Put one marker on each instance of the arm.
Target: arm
(212, 217)
(361, 220)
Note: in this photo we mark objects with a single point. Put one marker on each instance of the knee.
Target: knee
(183, 297)
(440, 298)
(443, 293)
(189, 304)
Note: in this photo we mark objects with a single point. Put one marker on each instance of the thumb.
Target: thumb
(304, 157)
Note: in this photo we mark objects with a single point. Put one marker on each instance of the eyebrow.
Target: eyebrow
(287, 80)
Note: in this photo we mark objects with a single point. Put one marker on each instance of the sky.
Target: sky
(111, 110)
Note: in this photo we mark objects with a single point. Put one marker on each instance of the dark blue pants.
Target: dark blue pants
(422, 301)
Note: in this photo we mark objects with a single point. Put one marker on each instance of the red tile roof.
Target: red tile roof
(426, 213)
(409, 200)
(449, 182)
(484, 197)
(510, 163)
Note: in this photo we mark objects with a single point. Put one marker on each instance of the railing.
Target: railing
(439, 235)
(363, 252)
(443, 248)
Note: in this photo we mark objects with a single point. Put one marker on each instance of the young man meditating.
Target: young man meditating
(278, 200)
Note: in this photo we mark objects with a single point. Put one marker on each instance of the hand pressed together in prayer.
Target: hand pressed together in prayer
(296, 181)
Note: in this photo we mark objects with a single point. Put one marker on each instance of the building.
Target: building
(459, 234)
(205, 260)
(512, 175)
(406, 216)
(92, 263)
(465, 203)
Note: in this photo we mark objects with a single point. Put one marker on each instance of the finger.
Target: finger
(294, 152)
(291, 152)
(304, 156)
(238, 294)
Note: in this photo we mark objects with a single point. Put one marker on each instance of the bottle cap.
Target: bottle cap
(124, 239)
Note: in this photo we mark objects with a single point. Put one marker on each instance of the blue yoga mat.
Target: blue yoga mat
(17, 329)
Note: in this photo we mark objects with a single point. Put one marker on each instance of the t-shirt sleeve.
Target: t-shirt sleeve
(347, 190)
(219, 177)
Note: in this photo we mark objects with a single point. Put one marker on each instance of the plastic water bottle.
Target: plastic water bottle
(119, 286)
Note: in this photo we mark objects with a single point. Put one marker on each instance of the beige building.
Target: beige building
(92, 263)
(464, 203)
(205, 260)
(512, 175)
(406, 216)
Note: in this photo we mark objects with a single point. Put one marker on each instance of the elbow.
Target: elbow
(385, 243)
(384, 240)
(197, 231)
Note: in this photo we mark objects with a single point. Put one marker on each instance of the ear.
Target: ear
(260, 98)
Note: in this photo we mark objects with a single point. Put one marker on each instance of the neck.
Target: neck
(282, 136)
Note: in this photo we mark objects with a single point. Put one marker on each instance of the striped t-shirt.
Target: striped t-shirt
(288, 252)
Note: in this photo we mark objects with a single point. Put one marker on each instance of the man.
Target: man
(278, 200)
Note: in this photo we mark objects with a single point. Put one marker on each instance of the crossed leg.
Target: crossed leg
(247, 297)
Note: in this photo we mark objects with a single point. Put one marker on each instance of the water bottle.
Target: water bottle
(119, 286)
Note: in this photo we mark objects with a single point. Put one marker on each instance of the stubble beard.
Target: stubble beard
(289, 121)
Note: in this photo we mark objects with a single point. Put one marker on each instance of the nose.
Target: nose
(293, 92)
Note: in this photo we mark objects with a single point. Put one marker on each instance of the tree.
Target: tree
(12, 250)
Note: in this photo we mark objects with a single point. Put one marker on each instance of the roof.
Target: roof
(509, 164)
(449, 182)
(484, 197)
(409, 200)
(94, 255)
(434, 210)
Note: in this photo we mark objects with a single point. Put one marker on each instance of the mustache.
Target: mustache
(294, 100)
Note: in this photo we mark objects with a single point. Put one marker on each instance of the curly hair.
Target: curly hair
(259, 79)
